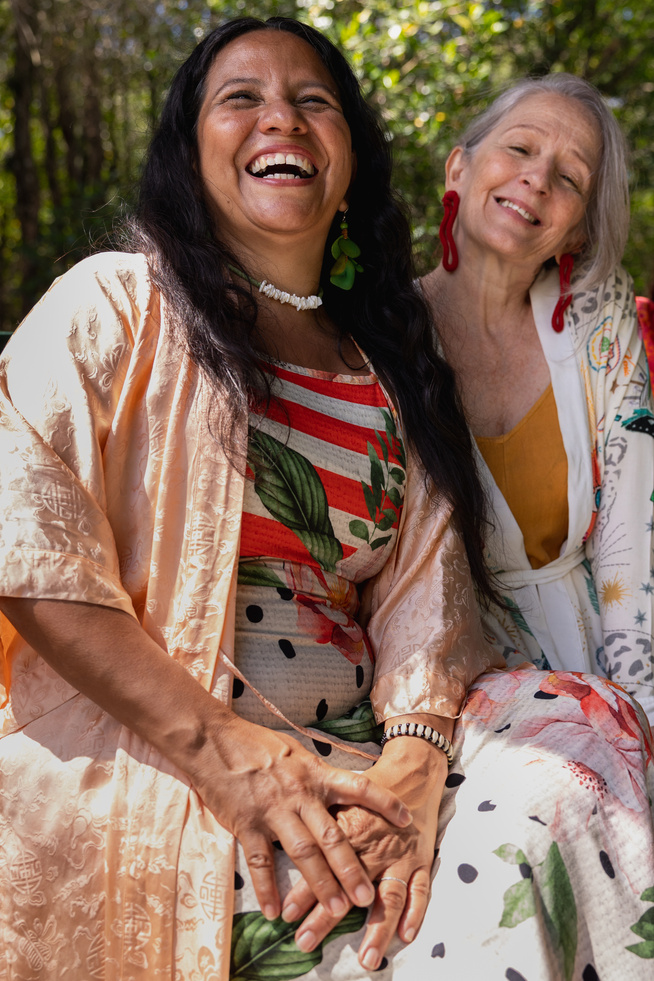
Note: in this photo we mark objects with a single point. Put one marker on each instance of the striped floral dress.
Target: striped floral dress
(326, 471)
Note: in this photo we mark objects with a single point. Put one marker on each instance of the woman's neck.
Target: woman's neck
(290, 265)
(489, 337)
(305, 337)
(489, 295)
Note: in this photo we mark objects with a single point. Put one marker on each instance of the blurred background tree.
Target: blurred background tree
(81, 82)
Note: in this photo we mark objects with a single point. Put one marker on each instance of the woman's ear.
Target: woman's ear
(454, 167)
(575, 248)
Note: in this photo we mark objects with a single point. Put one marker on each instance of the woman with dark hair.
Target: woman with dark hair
(229, 430)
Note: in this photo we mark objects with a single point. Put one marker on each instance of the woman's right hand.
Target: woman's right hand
(264, 786)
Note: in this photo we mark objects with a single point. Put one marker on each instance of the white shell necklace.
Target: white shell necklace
(273, 293)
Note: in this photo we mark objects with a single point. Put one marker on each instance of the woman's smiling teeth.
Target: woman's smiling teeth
(521, 211)
(287, 166)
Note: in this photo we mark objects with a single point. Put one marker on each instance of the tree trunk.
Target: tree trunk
(22, 162)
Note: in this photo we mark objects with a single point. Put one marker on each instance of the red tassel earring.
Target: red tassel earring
(450, 255)
(565, 299)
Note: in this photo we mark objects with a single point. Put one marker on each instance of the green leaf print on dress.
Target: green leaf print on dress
(645, 928)
(356, 726)
(518, 619)
(382, 495)
(550, 889)
(519, 903)
(256, 574)
(590, 586)
(266, 951)
(560, 907)
(289, 487)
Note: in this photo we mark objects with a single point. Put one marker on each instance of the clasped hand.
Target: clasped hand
(264, 786)
(398, 859)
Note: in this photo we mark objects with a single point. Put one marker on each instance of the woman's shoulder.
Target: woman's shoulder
(106, 293)
(102, 305)
(617, 290)
(607, 308)
(119, 276)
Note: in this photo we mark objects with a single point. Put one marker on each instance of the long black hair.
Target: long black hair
(383, 312)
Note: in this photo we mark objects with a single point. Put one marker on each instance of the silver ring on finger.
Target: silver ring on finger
(394, 878)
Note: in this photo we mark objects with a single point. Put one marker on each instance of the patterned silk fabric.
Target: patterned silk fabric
(545, 850)
(113, 491)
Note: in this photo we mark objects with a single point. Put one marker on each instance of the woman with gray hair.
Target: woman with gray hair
(538, 321)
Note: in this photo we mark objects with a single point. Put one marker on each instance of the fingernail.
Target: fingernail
(364, 895)
(371, 959)
(409, 935)
(306, 941)
(269, 912)
(290, 913)
(406, 817)
(337, 906)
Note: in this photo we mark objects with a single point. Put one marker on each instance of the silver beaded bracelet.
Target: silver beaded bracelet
(423, 732)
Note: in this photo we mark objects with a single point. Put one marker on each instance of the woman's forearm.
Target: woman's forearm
(414, 768)
(261, 785)
(105, 654)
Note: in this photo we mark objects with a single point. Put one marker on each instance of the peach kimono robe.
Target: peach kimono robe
(114, 492)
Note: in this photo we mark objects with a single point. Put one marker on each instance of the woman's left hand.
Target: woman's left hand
(399, 860)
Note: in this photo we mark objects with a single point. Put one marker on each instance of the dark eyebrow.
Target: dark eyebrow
(240, 81)
(309, 83)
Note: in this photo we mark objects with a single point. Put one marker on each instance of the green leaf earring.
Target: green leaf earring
(346, 252)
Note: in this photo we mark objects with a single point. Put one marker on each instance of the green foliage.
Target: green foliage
(382, 494)
(519, 904)
(546, 885)
(252, 573)
(559, 907)
(82, 81)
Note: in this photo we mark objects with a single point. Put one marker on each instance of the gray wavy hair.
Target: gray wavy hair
(607, 212)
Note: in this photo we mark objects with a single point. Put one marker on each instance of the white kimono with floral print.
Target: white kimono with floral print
(591, 608)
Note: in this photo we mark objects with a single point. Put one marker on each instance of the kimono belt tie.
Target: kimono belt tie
(514, 578)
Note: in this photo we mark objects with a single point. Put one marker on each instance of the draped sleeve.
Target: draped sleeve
(113, 489)
(61, 378)
(425, 626)
(621, 546)
(113, 492)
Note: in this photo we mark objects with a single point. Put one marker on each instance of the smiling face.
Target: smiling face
(274, 149)
(524, 189)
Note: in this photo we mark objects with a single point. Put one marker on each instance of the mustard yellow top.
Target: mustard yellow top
(530, 467)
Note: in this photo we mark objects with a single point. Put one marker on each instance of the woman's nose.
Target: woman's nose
(538, 178)
(283, 117)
